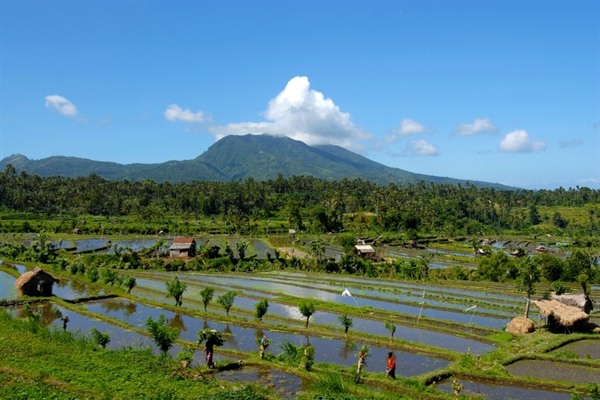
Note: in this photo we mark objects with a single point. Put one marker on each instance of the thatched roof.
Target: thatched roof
(563, 314)
(38, 273)
(580, 301)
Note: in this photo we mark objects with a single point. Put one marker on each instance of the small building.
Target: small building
(365, 251)
(183, 247)
(560, 315)
(35, 283)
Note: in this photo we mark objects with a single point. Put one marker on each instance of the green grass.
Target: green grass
(57, 365)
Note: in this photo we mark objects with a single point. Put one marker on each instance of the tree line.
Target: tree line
(306, 203)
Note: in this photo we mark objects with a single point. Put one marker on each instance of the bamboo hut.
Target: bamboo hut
(35, 283)
(561, 315)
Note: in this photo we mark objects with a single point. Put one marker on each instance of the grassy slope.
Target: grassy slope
(57, 366)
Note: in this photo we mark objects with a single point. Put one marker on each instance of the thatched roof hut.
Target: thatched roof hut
(580, 301)
(35, 283)
(560, 314)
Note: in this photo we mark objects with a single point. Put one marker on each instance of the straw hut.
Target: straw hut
(561, 315)
(581, 301)
(35, 283)
(183, 247)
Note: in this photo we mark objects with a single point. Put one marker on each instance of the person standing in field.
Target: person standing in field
(263, 344)
(391, 365)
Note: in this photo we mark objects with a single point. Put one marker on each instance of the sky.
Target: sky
(497, 91)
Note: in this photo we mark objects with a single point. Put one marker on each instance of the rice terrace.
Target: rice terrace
(296, 288)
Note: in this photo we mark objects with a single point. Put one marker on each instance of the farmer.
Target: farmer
(209, 349)
(391, 365)
(262, 346)
(65, 321)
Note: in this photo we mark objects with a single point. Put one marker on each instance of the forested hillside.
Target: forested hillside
(311, 204)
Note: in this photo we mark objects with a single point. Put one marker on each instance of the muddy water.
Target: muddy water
(554, 370)
(584, 348)
(287, 386)
(498, 392)
(244, 339)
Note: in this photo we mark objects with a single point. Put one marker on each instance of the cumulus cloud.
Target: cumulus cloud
(61, 105)
(304, 114)
(175, 113)
(421, 148)
(518, 142)
(407, 127)
(480, 125)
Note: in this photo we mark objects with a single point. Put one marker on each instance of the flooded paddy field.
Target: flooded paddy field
(496, 391)
(241, 338)
(555, 370)
(589, 349)
(365, 325)
(256, 282)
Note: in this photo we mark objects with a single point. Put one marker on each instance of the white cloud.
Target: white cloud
(409, 127)
(518, 142)
(480, 125)
(421, 148)
(61, 105)
(301, 113)
(175, 113)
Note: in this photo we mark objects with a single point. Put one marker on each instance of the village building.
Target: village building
(35, 283)
(183, 247)
(365, 251)
(565, 311)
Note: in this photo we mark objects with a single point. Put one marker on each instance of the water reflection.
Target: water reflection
(244, 339)
(7, 286)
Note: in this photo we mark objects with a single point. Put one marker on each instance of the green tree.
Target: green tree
(392, 328)
(175, 289)
(129, 282)
(226, 301)
(307, 309)
(261, 309)
(346, 322)
(162, 333)
(528, 276)
(207, 295)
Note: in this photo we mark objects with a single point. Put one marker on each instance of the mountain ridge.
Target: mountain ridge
(233, 157)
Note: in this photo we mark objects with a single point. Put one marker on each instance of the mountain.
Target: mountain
(238, 157)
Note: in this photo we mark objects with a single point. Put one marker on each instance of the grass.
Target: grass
(56, 365)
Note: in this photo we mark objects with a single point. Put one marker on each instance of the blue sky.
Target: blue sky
(498, 91)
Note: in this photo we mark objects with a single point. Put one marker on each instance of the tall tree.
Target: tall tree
(528, 276)
(226, 301)
(206, 294)
(307, 309)
(175, 289)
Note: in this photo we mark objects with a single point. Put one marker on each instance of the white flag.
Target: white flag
(346, 292)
